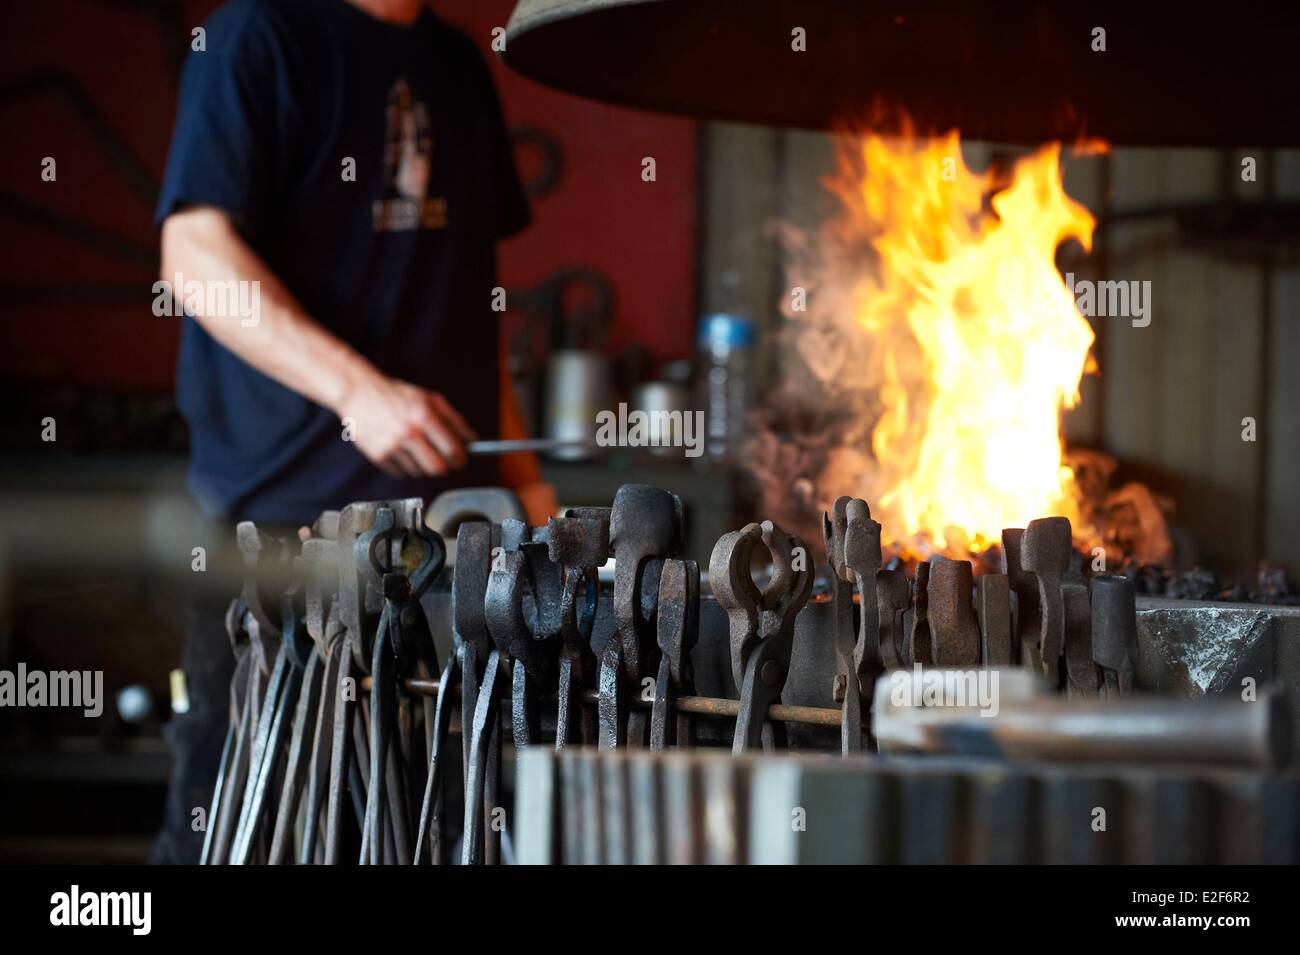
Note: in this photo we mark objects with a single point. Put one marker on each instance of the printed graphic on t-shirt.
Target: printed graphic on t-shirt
(408, 160)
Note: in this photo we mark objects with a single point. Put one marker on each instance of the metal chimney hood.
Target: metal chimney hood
(1021, 71)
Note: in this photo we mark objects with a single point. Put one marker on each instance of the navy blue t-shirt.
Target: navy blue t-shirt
(399, 263)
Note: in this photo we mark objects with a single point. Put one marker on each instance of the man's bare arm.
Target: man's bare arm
(402, 428)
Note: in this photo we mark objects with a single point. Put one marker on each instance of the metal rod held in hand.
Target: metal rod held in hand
(526, 445)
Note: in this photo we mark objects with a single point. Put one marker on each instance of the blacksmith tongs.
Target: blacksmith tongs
(761, 623)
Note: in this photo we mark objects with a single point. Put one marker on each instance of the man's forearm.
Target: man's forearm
(283, 342)
(404, 429)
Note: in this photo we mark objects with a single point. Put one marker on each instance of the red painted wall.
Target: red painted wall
(77, 311)
(601, 214)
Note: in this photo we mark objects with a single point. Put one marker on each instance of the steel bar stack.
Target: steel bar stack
(701, 807)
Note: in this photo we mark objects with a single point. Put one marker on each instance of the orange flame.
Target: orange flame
(976, 341)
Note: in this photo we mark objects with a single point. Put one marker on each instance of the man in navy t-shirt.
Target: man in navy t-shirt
(338, 177)
(348, 157)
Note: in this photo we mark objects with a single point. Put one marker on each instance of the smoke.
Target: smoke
(810, 440)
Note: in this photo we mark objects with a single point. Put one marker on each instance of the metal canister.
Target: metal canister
(577, 388)
(659, 400)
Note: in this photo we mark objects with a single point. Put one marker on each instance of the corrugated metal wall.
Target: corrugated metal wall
(1223, 343)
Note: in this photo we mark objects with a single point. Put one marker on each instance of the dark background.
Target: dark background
(93, 84)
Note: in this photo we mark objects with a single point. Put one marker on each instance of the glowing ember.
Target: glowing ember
(974, 344)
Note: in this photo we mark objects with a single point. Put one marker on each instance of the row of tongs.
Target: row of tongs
(328, 758)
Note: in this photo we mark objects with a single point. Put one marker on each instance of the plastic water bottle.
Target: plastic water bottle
(726, 341)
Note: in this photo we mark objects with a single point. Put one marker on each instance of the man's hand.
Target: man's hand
(401, 428)
(404, 429)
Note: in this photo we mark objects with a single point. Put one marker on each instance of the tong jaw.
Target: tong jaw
(1045, 552)
(579, 540)
(736, 593)
(761, 621)
(469, 582)
(522, 614)
(862, 559)
(360, 597)
(504, 608)
(954, 633)
(893, 597)
(678, 631)
(645, 527)
(1114, 633)
(321, 576)
(852, 541)
(579, 544)
(376, 548)
(833, 527)
(261, 555)
(645, 524)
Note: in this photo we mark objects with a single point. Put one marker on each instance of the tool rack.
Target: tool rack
(342, 742)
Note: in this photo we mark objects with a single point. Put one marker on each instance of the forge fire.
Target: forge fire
(955, 344)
